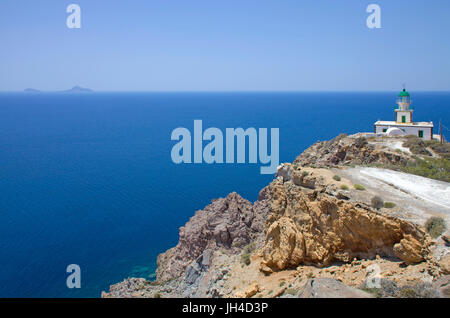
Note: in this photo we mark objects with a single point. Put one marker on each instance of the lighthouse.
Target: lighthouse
(403, 114)
(403, 124)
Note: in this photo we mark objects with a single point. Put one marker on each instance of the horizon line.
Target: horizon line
(212, 91)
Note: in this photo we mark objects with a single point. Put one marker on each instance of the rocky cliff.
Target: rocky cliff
(230, 223)
(311, 222)
(305, 236)
(350, 150)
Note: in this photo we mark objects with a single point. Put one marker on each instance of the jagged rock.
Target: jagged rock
(317, 228)
(347, 150)
(446, 239)
(304, 180)
(298, 219)
(230, 223)
(444, 264)
(284, 172)
(410, 250)
(443, 285)
(251, 290)
(125, 289)
(192, 273)
(386, 288)
(329, 288)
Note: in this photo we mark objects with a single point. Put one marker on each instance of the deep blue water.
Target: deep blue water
(88, 179)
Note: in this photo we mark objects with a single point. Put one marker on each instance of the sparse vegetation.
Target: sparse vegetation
(389, 205)
(337, 178)
(157, 295)
(359, 187)
(428, 167)
(282, 284)
(390, 289)
(310, 275)
(434, 168)
(377, 202)
(360, 142)
(416, 145)
(246, 258)
(153, 283)
(344, 187)
(246, 253)
(305, 173)
(291, 291)
(441, 149)
(435, 226)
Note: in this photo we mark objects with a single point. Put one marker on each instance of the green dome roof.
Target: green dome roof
(403, 93)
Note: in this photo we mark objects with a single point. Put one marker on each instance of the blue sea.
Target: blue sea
(88, 179)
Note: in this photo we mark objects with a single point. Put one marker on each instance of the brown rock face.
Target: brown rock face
(311, 226)
(251, 290)
(229, 223)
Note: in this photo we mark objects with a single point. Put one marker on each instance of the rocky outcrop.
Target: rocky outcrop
(348, 150)
(310, 225)
(444, 264)
(129, 288)
(330, 288)
(250, 291)
(443, 285)
(302, 221)
(230, 223)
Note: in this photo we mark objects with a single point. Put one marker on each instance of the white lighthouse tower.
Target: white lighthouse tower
(403, 124)
(403, 114)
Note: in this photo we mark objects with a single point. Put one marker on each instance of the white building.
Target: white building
(403, 124)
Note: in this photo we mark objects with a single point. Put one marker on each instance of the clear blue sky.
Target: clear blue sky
(225, 45)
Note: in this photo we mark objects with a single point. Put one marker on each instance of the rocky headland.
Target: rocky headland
(314, 232)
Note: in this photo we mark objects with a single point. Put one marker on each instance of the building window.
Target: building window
(420, 133)
(384, 129)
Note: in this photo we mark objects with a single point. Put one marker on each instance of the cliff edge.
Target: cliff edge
(313, 232)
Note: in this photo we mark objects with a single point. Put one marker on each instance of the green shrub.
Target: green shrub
(344, 187)
(282, 284)
(157, 295)
(291, 291)
(361, 142)
(377, 202)
(359, 187)
(246, 258)
(434, 168)
(389, 205)
(441, 149)
(337, 178)
(305, 173)
(416, 145)
(435, 226)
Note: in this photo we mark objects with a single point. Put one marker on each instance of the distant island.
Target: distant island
(75, 89)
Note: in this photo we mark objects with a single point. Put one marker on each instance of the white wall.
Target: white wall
(407, 114)
(407, 130)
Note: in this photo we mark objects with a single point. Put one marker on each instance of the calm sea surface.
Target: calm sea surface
(88, 179)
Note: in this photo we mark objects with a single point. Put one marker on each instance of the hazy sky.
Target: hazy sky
(213, 45)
